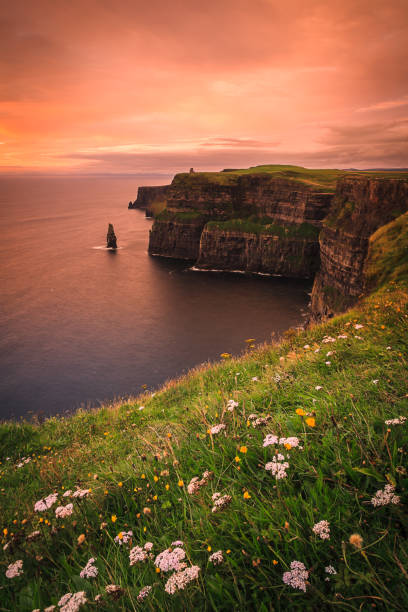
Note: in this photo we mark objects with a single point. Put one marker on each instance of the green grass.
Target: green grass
(135, 459)
(265, 225)
(167, 215)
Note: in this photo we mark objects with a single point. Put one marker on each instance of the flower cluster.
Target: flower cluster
(220, 501)
(170, 559)
(179, 580)
(114, 590)
(124, 537)
(71, 602)
(138, 554)
(385, 496)
(64, 511)
(143, 593)
(231, 404)
(292, 441)
(46, 503)
(297, 576)
(80, 493)
(90, 570)
(330, 570)
(259, 421)
(195, 483)
(277, 466)
(15, 569)
(399, 421)
(215, 429)
(322, 529)
(23, 461)
(216, 558)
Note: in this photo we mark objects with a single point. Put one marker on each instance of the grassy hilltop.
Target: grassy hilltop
(320, 400)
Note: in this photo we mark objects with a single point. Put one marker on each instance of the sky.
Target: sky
(158, 86)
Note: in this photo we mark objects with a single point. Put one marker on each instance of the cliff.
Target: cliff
(264, 222)
(361, 205)
(152, 199)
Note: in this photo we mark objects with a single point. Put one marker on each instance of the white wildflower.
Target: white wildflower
(254, 379)
(330, 570)
(318, 387)
(327, 363)
(358, 326)
(231, 404)
(375, 381)
(90, 570)
(342, 337)
(64, 511)
(80, 493)
(46, 503)
(216, 558)
(400, 421)
(322, 529)
(177, 543)
(124, 537)
(278, 466)
(195, 483)
(137, 555)
(215, 429)
(220, 502)
(33, 535)
(15, 569)
(71, 602)
(67, 493)
(143, 593)
(170, 559)
(297, 577)
(270, 439)
(179, 580)
(385, 496)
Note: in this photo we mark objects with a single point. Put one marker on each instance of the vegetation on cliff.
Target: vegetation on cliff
(289, 463)
(265, 225)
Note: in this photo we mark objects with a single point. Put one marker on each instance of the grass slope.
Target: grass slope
(332, 386)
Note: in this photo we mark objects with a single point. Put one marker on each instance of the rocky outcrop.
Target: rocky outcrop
(111, 238)
(151, 199)
(361, 205)
(291, 256)
(176, 235)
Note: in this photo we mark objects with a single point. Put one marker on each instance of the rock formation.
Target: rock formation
(151, 199)
(111, 238)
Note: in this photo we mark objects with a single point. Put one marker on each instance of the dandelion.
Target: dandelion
(64, 511)
(216, 558)
(400, 421)
(90, 570)
(322, 529)
(46, 503)
(246, 495)
(180, 483)
(179, 580)
(243, 449)
(124, 537)
(311, 421)
(356, 540)
(143, 593)
(215, 429)
(15, 569)
(297, 576)
(220, 501)
(385, 496)
(278, 466)
(114, 518)
(71, 602)
(275, 562)
(170, 559)
(300, 412)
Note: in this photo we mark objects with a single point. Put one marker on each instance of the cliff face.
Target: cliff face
(252, 252)
(360, 207)
(151, 199)
(195, 199)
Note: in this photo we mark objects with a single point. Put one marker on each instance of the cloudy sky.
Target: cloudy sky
(157, 86)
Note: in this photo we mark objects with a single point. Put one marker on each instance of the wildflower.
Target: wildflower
(318, 387)
(33, 535)
(155, 478)
(143, 593)
(170, 559)
(15, 569)
(330, 570)
(167, 487)
(322, 529)
(114, 590)
(278, 466)
(179, 580)
(137, 555)
(260, 421)
(124, 537)
(81, 539)
(311, 421)
(327, 363)
(275, 562)
(180, 483)
(358, 326)
(209, 548)
(114, 518)
(80, 493)
(195, 483)
(300, 412)
(356, 540)
(64, 511)
(71, 602)
(220, 501)
(270, 439)
(147, 511)
(375, 381)
(216, 558)
(243, 450)
(46, 503)
(246, 495)
(50, 609)
(231, 404)
(385, 496)
(237, 459)
(254, 379)
(225, 355)
(297, 576)
(400, 421)
(67, 493)
(342, 337)
(120, 484)
(90, 570)
(215, 429)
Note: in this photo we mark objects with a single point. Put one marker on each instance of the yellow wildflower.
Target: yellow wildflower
(300, 411)
(247, 495)
(180, 483)
(120, 535)
(243, 449)
(120, 484)
(157, 570)
(237, 459)
(155, 478)
(114, 518)
(311, 421)
(356, 540)
(275, 562)
(167, 487)
(81, 539)
(209, 548)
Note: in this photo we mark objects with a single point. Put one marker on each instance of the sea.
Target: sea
(82, 326)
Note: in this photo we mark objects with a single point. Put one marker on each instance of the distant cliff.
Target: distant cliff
(279, 220)
(151, 199)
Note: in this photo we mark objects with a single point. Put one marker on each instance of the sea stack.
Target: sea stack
(111, 238)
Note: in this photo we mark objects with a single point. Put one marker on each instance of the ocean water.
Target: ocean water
(80, 325)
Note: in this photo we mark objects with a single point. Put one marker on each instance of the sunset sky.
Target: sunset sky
(161, 85)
